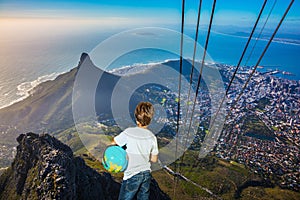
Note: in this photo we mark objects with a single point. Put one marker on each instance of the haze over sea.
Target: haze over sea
(33, 57)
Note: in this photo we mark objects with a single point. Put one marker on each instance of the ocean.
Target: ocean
(26, 61)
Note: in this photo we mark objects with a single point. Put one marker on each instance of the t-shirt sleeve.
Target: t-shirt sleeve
(121, 139)
(155, 147)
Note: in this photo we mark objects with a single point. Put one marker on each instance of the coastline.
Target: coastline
(24, 89)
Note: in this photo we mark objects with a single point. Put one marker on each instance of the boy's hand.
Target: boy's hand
(113, 142)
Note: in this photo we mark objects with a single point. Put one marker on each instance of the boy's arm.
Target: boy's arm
(153, 158)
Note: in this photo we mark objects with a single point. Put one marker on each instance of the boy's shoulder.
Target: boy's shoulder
(138, 130)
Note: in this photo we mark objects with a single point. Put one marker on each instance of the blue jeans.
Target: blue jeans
(138, 184)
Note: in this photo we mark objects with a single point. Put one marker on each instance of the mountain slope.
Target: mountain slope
(47, 109)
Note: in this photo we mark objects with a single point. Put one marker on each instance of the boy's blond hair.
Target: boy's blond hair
(143, 113)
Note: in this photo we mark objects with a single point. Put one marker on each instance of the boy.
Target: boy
(141, 148)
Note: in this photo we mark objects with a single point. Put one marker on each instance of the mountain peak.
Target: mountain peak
(83, 57)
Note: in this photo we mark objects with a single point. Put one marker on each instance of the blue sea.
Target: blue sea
(27, 61)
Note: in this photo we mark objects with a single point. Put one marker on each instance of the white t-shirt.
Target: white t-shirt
(140, 144)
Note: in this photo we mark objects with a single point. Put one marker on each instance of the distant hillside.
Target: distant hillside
(47, 109)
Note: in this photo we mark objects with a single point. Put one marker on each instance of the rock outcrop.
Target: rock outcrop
(45, 168)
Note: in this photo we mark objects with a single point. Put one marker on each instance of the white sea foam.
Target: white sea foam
(24, 89)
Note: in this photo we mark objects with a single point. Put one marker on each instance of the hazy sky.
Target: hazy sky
(228, 12)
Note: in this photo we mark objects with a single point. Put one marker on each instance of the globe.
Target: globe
(115, 159)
